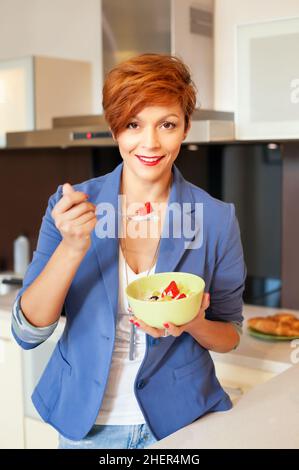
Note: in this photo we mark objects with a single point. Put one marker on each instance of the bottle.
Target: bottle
(21, 254)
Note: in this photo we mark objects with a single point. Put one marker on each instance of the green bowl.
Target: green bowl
(155, 313)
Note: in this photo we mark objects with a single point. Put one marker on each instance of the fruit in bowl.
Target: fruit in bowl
(173, 297)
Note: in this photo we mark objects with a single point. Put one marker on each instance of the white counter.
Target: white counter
(267, 417)
(271, 356)
(270, 410)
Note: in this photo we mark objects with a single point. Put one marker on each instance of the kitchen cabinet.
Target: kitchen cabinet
(39, 435)
(17, 430)
(11, 392)
(41, 94)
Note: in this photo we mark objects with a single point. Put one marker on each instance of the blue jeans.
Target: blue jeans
(136, 436)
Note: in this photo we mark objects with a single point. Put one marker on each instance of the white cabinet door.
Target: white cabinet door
(40, 435)
(11, 395)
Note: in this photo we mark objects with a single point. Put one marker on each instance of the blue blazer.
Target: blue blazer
(176, 382)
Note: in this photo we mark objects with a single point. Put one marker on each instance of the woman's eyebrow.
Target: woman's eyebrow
(161, 119)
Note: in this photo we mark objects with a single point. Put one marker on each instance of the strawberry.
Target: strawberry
(148, 207)
(180, 296)
(171, 289)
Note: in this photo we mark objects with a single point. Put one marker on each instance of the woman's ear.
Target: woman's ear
(113, 136)
(187, 130)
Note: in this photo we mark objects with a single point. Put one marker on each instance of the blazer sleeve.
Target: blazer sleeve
(24, 332)
(27, 335)
(228, 279)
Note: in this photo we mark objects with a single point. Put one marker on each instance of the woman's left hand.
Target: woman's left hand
(172, 329)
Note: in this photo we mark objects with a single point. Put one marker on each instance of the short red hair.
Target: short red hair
(146, 80)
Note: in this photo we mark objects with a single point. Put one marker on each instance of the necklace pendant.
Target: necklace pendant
(145, 210)
(139, 218)
(145, 213)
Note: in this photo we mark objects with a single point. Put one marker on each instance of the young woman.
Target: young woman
(113, 381)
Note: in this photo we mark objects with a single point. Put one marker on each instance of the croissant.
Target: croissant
(280, 324)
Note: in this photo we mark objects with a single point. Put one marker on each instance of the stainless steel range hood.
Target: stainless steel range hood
(77, 131)
(183, 28)
(73, 131)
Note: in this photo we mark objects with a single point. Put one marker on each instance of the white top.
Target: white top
(119, 404)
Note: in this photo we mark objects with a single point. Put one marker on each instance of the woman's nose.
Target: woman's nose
(150, 139)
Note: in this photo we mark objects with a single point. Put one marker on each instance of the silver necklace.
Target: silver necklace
(124, 216)
(132, 326)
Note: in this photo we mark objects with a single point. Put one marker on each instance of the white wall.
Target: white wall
(228, 13)
(69, 29)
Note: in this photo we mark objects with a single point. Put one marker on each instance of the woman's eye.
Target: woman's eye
(169, 125)
(132, 125)
(166, 125)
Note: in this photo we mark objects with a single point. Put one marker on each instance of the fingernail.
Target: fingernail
(136, 323)
(166, 325)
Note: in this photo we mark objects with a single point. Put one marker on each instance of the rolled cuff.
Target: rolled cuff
(25, 330)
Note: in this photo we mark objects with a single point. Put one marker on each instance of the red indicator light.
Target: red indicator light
(88, 135)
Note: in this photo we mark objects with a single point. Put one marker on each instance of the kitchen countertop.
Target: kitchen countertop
(267, 417)
(271, 356)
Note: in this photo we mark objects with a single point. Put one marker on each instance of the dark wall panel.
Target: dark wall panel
(27, 180)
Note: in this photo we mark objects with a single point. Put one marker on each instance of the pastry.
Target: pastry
(280, 324)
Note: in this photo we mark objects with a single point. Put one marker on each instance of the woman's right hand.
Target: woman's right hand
(75, 218)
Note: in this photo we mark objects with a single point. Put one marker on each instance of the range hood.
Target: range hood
(78, 131)
(72, 131)
(182, 28)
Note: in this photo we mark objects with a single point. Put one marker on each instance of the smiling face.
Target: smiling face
(151, 141)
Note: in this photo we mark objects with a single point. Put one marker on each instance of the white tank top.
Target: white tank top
(119, 404)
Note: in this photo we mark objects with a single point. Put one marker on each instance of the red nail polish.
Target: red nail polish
(136, 323)
(166, 325)
(131, 321)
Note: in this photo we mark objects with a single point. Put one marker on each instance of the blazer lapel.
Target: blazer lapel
(174, 240)
(107, 249)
